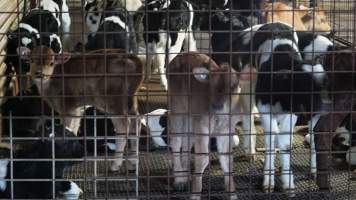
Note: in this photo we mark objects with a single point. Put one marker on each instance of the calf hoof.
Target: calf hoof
(232, 197)
(268, 189)
(195, 197)
(114, 167)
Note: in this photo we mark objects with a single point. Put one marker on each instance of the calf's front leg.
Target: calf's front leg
(224, 144)
(121, 126)
(73, 121)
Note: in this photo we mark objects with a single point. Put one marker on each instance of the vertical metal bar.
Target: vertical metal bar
(11, 157)
(137, 154)
(53, 156)
(95, 154)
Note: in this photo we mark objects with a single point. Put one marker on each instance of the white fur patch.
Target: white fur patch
(74, 191)
(132, 5)
(116, 20)
(3, 172)
(166, 4)
(69, 129)
(248, 33)
(225, 2)
(111, 146)
(53, 37)
(319, 46)
(29, 28)
(53, 7)
(25, 41)
(268, 46)
(152, 122)
(345, 134)
(317, 70)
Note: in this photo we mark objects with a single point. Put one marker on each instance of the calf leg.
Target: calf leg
(324, 133)
(66, 21)
(285, 141)
(178, 127)
(201, 158)
(311, 125)
(121, 126)
(163, 44)
(73, 122)
(151, 51)
(190, 42)
(270, 126)
(135, 126)
(224, 144)
(248, 121)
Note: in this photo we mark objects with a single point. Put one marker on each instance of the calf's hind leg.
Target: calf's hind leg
(285, 141)
(201, 157)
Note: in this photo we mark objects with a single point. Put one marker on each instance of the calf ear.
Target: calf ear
(62, 58)
(201, 74)
(23, 52)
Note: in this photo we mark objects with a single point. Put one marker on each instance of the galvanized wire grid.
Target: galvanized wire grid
(152, 178)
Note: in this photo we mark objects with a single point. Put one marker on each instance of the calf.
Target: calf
(122, 74)
(301, 19)
(116, 30)
(64, 148)
(201, 103)
(29, 114)
(60, 12)
(288, 82)
(167, 24)
(341, 65)
(94, 10)
(40, 26)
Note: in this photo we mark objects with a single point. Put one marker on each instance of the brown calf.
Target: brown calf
(201, 103)
(302, 19)
(341, 66)
(106, 79)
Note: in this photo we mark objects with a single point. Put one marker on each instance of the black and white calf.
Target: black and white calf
(64, 148)
(60, 12)
(167, 25)
(38, 26)
(285, 86)
(115, 31)
(94, 10)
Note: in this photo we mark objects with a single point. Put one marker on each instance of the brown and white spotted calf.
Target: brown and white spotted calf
(107, 79)
(203, 104)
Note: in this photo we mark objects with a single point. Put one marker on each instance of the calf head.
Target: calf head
(42, 61)
(222, 81)
(315, 19)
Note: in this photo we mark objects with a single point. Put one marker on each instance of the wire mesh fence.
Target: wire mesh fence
(177, 99)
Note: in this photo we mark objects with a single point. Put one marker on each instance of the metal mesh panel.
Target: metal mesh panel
(43, 157)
